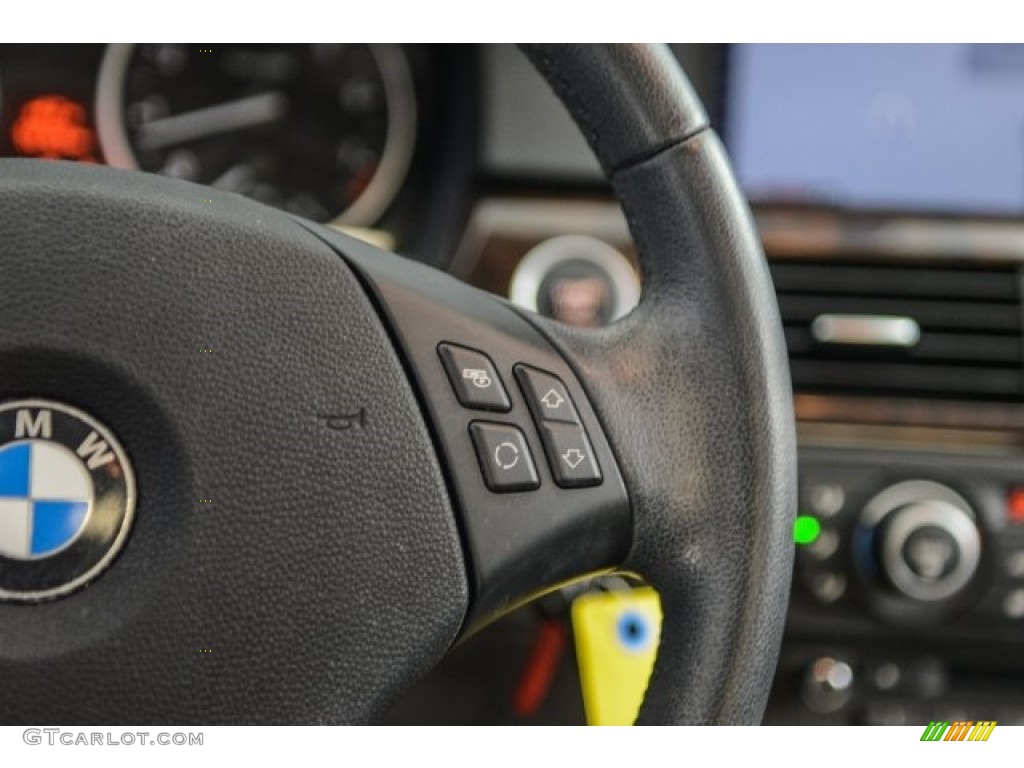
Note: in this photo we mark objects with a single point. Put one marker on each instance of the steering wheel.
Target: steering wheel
(315, 465)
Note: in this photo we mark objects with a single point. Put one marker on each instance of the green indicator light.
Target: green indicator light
(806, 529)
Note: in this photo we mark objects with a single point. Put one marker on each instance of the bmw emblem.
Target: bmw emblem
(67, 499)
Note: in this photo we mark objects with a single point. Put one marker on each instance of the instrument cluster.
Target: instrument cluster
(325, 131)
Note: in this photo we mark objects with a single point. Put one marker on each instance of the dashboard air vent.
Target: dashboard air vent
(902, 330)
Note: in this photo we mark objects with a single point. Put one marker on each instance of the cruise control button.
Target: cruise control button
(504, 457)
(546, 395)
(474, 379)
(570, 455)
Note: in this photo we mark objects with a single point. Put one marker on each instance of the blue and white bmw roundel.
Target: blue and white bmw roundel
(67, 499)
(45, 498)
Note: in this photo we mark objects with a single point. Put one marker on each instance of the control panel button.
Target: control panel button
(823, 547)
(546, 395)
(827, 587)
(1013, 604)
(922, 537)
(930, 549)
(826, 499)
(504, 457)
(570, 455)
(886, 676)
(474, 379)
(931, 553)
(1015, 564)
(827, 685)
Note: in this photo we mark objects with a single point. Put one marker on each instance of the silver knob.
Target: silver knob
(927, 539)
(827, 685)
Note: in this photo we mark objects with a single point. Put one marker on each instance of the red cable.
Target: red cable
(540, 668)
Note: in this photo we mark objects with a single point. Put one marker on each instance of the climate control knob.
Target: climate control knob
(923, 538)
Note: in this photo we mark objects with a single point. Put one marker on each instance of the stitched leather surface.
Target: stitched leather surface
(324, 574)
(693, 388)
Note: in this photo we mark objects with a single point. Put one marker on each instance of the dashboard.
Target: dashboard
(888, 187)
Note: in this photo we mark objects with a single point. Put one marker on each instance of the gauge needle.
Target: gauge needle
(229, 116)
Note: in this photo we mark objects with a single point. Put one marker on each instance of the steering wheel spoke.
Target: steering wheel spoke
(540, 496)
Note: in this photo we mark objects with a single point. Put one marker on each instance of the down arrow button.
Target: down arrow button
(570, 454)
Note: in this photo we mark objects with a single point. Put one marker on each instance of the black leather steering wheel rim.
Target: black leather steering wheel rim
(713, 512)
(289, 376)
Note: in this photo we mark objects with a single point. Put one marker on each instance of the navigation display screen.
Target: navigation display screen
(936, 128)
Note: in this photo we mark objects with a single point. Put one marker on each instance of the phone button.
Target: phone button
(474, 379)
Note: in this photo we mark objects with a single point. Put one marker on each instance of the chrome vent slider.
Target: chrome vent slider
(866, 330)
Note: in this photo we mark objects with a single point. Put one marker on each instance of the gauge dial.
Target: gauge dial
(325, 131)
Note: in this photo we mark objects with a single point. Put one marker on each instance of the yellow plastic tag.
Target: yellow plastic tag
(616, 644)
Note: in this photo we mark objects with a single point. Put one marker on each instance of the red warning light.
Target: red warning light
(53, 127)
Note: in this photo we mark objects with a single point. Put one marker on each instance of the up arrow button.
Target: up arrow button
(552, 400)
(546, 395)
